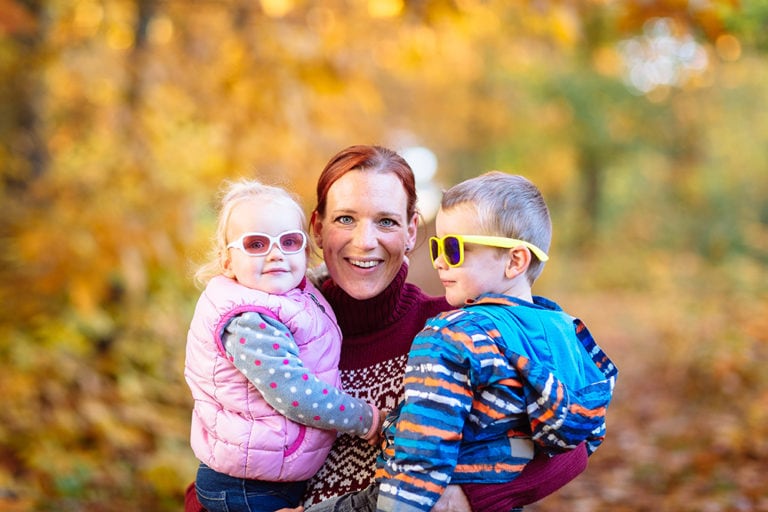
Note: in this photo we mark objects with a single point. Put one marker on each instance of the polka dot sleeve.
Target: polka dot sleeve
(263, 349)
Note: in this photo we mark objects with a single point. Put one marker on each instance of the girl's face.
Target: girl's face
(274, 272)
(484, 268)
(365, 231)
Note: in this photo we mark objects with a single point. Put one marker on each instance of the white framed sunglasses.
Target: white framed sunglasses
(259, 244)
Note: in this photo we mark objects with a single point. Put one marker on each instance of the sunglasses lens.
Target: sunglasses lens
(452, 247)
(291, 243)
(256, 244)
(434, 248)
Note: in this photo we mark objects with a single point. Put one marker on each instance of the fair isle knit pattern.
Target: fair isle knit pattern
(351, 462)
(377, 334)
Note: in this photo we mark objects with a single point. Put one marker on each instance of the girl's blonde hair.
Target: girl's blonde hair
(233, 193)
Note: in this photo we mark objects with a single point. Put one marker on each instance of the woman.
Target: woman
(366, 223)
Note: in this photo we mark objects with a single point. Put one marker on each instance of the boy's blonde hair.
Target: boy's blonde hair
(233, 193)
(507, 205)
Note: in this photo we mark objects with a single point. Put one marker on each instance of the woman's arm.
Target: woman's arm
(542, 476)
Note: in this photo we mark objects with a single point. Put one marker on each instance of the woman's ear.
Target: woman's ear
(519, 259)
(315, 229)
(413, 231)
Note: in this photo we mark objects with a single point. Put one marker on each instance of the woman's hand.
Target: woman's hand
(297, 509)
(452, 500)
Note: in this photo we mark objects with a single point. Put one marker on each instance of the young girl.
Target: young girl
(262, 360)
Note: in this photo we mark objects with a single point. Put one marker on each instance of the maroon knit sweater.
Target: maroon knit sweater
(377, 334)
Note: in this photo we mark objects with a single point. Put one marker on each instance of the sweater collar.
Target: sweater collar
(357, 317)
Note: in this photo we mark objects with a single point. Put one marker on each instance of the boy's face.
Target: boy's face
(274, 272)
(483, 267)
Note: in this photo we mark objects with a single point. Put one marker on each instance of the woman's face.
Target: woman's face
(365, 231)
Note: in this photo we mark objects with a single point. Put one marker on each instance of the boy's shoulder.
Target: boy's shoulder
(460, 319)
(483, 312)
(495, 299)
(469, 309)
(488, 299)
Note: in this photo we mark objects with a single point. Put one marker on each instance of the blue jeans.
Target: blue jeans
(218, 492)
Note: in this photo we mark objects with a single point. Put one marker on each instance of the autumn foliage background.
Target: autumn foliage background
(644, 123)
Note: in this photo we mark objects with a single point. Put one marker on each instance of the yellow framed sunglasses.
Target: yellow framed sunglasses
(452, 247)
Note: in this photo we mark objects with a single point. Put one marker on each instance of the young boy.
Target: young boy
(505, 374)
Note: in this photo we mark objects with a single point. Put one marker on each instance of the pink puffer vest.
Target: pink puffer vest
(234, 430)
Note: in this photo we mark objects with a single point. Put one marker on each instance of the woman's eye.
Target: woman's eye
(387, 223)
(344, 219)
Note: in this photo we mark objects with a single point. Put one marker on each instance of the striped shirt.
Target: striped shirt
(483, 385)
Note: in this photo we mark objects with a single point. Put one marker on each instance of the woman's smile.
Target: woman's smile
(364, 263)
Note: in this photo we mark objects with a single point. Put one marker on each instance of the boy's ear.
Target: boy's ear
(519, 259)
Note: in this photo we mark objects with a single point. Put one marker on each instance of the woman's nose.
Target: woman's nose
(365, 236)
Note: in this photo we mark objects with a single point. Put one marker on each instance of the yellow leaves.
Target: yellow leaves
(15, 18)
(728, 47)
(119, 431)
(119, 36)
(87, 16)
(71, 406)
(607, 61)
(168, 472)
(557, 167)
(97, 292)
(83, 298)
(565, 24)
(688, 423)
(161, 30)
(19, 392)
(555, 21)
(276, 8)
(385, 8)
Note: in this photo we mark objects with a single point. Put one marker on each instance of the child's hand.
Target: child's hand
(374, 435)
(383, 413)
(452, 500)
(376, 440)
